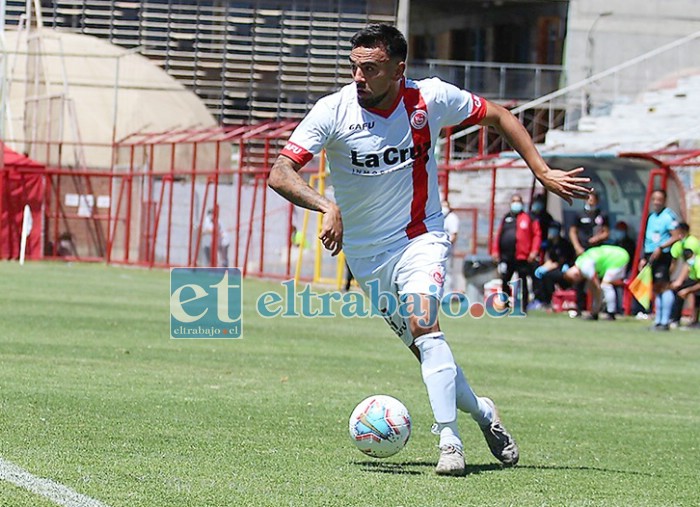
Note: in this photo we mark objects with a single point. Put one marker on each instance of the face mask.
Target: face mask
(691, 262)
(445, 211)
(537, 207)
(552, 233)
(516, 207)
(587, 207)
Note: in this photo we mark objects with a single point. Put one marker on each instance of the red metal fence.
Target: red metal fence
(199, 197)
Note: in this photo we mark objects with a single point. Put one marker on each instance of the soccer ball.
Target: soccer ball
(380, 426)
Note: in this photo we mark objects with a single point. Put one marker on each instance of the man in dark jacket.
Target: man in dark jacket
(517, 247)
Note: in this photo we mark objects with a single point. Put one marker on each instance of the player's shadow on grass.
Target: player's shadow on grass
(586, 469)
(404, 467)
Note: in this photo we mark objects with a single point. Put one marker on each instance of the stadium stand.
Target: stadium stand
(246, 61)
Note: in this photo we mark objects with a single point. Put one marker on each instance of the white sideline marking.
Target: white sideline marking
(57, 493)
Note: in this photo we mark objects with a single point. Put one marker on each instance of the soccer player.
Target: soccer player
(600, 266)
(379, 133)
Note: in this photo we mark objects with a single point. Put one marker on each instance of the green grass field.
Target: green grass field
(95, 396)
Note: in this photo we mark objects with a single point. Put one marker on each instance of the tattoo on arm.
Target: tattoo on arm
(286, 181)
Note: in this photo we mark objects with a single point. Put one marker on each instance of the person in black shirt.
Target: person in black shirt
(591, 228)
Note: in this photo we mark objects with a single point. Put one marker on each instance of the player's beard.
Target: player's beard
(371, 101)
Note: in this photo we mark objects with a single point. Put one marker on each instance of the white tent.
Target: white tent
(86, 93)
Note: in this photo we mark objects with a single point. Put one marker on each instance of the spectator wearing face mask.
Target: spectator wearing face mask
(538, 211)
(517, 246)
(591, 228)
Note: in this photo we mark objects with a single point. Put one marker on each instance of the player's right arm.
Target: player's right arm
(286, 181)
(309, 138)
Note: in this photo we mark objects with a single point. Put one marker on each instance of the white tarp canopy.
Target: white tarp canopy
(67, 87)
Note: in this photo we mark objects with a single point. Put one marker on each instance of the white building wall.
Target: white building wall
(605, 33)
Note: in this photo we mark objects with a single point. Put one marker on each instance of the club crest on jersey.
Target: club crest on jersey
(419, 119)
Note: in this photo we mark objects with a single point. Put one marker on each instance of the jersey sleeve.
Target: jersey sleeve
(671, 220)
(677, 249)
(311, 135)
(460, 107)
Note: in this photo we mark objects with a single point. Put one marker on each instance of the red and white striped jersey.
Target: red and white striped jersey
(381, 162)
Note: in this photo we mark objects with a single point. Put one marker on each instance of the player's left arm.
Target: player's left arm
(566, 184)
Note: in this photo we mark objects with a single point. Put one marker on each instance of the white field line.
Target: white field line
(57, 493)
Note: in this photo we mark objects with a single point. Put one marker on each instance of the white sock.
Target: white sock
(470, 403)
(439, 375)
(449, 435)
(610, 297)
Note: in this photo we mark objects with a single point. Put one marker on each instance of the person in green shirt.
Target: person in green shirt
(601, 266)
(682, 279)
(689, 286)
(686, 241)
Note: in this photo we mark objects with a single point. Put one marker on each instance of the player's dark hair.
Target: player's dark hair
(683, 227)
(382, 35)
(661, 191)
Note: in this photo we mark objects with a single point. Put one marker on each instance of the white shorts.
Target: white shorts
(418, 267)
(613, 275)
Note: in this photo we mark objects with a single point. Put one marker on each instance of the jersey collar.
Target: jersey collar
(385, 113)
